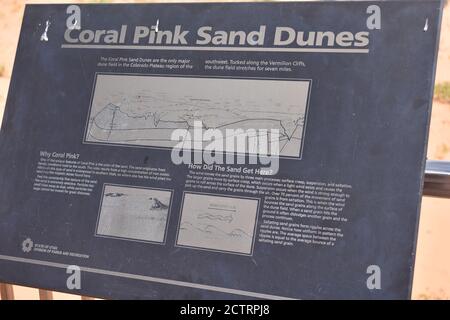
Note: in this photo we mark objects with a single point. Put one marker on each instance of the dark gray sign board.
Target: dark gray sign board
(88, 182)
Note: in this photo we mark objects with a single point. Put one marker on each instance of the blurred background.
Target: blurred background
(432, 270)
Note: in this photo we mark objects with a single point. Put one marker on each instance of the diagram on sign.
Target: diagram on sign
(134, 213)
(218, 223)
(145, 110)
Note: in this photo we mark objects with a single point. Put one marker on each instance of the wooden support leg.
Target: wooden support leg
(45, 295)
(6, 291)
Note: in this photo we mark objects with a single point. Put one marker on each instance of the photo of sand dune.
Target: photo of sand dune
(134, 213)
(218, 223)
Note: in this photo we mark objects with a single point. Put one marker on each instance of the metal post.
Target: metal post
(45, 294)
(6, 291)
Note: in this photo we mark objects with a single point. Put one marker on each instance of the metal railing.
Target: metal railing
(437, 179)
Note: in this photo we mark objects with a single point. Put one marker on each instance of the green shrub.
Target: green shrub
(442, 92)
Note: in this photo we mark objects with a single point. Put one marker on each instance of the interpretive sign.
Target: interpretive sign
(246, 150)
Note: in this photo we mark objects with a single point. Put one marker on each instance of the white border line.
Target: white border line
(96, 234)
(194, 48)
(255, 227)
(304, 122)
(91, 100)
(148, 279)
(127, 145)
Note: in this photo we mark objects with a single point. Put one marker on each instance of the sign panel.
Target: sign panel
(247, 150)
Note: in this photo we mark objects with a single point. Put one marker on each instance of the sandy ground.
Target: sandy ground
(443, 67)
(432, 270)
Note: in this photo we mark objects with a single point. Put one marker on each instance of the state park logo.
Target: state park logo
(27, 245)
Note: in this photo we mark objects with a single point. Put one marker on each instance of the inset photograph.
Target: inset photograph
(218, 223)
(134, 213)
(144, 110)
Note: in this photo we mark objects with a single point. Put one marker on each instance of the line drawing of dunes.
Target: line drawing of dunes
(111, 124)
(145, 110)
(218, 223)
(213, 231)
(207, 215)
